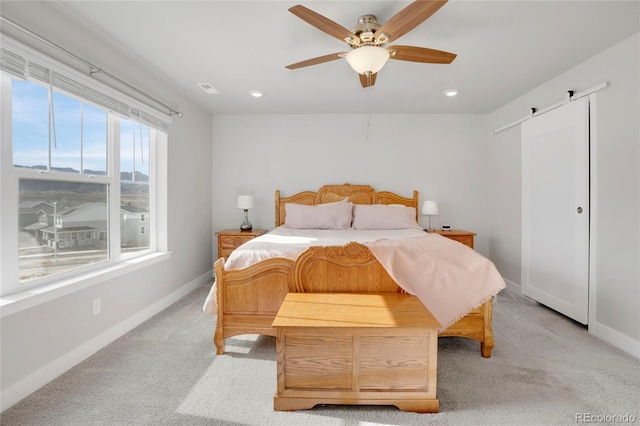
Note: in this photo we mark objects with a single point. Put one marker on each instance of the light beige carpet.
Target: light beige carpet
(545, 369)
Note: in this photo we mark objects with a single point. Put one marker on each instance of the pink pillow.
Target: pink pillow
(321, 216)
(380, 216)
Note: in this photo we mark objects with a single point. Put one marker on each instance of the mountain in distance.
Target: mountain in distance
(126, 176)
(53, 185)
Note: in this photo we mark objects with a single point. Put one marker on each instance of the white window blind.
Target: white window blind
(26, 63)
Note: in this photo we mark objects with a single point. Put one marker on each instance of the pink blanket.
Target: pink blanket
(450, 278)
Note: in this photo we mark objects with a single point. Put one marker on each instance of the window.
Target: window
(79, 169)
(134, 184)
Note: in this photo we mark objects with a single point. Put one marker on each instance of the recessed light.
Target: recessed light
(256, 93)
(208, 87)
(451, 92)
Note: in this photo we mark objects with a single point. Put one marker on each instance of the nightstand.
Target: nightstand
(464, 237)
(231, 239)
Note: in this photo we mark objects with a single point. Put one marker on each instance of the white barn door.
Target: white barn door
(555, 209)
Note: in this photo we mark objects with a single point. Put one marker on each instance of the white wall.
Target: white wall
(444, 157)
(41, 342)
(615, 204)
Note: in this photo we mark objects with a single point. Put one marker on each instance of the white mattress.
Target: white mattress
(289, 243)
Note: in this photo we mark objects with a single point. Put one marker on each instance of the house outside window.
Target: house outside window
(74, 164)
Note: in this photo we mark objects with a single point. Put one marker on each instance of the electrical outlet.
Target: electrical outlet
(96, 306)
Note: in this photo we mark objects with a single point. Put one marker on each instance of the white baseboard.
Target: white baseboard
(615, 338)
(35, 381)
(511, 286)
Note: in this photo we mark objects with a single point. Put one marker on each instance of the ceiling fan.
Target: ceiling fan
(368, 38)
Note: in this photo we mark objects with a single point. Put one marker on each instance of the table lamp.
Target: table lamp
(430, 208)
(245, 202)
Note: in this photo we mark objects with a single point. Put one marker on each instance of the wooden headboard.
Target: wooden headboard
(357, 194)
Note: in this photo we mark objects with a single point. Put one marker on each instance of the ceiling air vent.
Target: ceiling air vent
(207, 87)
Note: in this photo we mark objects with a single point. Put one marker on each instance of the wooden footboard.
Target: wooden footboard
(343, 269)
(247, 300)
(475, 325)
(353, 268)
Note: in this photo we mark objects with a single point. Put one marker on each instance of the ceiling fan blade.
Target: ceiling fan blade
(325, 24)
(315, 61)
(368, 80)
(407, 19)
(421, 54)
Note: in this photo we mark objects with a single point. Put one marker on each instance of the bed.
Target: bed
(246, 299)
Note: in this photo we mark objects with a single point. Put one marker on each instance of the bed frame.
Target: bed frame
(248, 299)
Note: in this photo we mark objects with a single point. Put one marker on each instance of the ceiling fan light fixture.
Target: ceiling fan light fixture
(367, 59)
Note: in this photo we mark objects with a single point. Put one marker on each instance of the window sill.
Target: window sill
(16, 302)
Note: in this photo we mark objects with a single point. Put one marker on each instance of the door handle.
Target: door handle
(579, 210)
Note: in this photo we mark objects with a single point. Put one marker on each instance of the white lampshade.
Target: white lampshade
(367, 59)
(245, 202)
(430, 208)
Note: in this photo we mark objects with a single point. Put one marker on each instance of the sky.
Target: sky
(32, 133)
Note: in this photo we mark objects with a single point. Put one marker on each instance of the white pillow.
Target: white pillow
(380, 216)
(321, 216)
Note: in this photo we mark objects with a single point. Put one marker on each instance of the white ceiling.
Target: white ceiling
(505, 48)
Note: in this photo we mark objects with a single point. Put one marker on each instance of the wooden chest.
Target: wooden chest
(346, 348)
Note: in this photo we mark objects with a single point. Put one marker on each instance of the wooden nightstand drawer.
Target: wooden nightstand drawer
(466, 240)
(464, 237)
(234, 241)
(231, 239)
